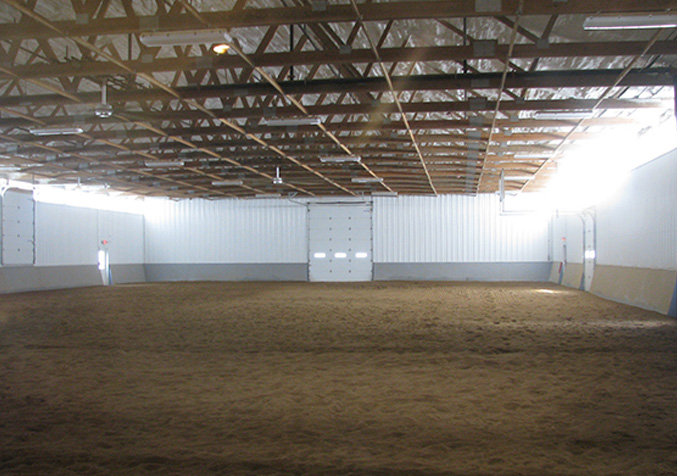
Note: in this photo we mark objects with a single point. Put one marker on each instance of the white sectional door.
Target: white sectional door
(18, 220)
(339, 241)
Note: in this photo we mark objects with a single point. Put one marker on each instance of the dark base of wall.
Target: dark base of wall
(36, 278)
(127, 273)
(524, 271)
(227, 272)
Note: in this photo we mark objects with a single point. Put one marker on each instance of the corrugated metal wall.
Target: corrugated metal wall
(67, 235)
(226, 231)
(639, 227)
(569, 227)
(455, 229)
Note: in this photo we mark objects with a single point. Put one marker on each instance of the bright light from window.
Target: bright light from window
(361, 255)
(102, 260)
(340, 255)
(319, 255)
(589, 254)
(93, 198)
(595, 171)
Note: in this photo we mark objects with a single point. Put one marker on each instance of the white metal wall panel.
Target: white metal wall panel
(639, 227)
(567, 230)
(343, 235)
(65, 235)
(18, 214)
(124, 233)
(68, 235)
(452, 228)
(226, 231)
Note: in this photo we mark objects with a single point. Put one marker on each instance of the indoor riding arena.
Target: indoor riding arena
(338, 238)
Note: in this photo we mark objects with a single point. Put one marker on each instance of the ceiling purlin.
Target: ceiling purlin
(302, 109)
(545, 37)
(382, 11)
(356, 56)
(113, 167)
(464, 63)
(174, 116)
(331, 42)
(264, 102)
(519, 97)
(259, 140)
(149, 156)
(380, 107)
(506, 68)
(393, 93)
(148, 78)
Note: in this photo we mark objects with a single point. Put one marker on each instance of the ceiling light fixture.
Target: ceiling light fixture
(557, 115)
(531, 156)
(630, 22)
(277, 180)
(181, 38)
(227, 183)
(292, 121)
(340, 158)
(55, 131)
(519, 178)
(367, 180)
(104, 110)
(384, 194)
(164, 163)
(221, 48)
(268, 195)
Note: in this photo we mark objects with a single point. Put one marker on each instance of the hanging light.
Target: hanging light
(225, 183)
(291, 122)
(56, 131)
(630, 22)
(277, 180)
(182, 38)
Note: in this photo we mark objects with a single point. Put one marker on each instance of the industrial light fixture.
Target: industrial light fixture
(277, 180)
(104, 110)
(340, 158)
(55, 131)
(367, 180)
(384, 194)
(187, 37)
(164, 163)
(292, 121)
(268, 195)
(520, 178)
(557, 115)
(221, 48)
(225, 183)
(630, 22)
(531, 156)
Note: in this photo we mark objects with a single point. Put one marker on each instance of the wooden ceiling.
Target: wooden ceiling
(435, 97)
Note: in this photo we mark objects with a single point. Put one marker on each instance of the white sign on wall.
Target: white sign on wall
(18, 219)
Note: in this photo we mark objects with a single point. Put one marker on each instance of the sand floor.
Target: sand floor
(335, 379)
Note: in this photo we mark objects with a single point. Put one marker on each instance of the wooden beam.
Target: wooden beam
(434, 53)
(383, 11)
(437, 82)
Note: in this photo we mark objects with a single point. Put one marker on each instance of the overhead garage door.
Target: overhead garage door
(18, 217)
(339, 241)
